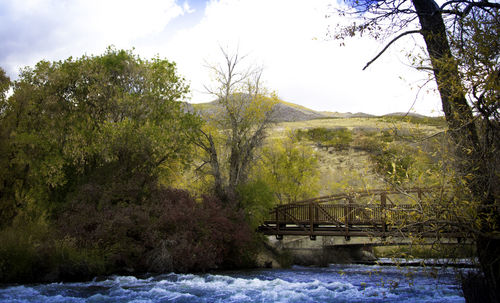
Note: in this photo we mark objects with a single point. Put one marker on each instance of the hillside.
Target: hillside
(353, 166)
(285, 112)
(345, 115)
(290, 112)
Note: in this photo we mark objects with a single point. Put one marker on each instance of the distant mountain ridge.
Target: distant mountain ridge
(290, 112)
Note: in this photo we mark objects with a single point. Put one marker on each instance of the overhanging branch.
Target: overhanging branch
(389, 44)
(468, 8)
(450, 2)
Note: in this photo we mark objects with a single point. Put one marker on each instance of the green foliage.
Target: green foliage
(87, 143)
(256, 199)
(405, 164)
(338, 138)
(4, 87)
(106, 119)
(291, 170)
(394, 164)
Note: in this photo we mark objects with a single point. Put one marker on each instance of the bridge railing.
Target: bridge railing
(339, 213)
(342, 212)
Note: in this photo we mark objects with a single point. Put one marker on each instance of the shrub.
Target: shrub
(339, 138)
(168, 232)
(31, 251)
(369, 144)
(394, 164)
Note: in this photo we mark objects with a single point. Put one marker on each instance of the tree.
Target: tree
(99, 127)
(239, 124)
(291, 170)
(4, 161)
(469, 95)
(4, 87)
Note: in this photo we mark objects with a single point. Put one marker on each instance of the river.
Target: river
(336, 283)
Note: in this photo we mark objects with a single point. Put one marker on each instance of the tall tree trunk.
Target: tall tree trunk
(216, 173)
(464, 132)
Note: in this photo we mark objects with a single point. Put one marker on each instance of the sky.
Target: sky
(288, 38)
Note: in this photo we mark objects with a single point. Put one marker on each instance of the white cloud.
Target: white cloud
(51, 29)
(187, 8)
(286, 36)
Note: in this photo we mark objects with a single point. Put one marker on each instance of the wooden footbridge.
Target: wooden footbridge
(376, 213)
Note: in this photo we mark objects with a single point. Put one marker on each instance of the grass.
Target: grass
(430, 121)
(357, 125)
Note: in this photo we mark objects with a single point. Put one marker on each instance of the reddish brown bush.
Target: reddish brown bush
(170, 231)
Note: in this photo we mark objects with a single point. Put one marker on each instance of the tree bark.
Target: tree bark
(214, 163)
(470, 154)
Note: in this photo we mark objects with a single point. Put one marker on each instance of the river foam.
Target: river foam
(337, 283)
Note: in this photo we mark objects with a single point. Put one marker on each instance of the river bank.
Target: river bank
(453, 263)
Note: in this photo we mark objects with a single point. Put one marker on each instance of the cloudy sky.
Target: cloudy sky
(287, 37)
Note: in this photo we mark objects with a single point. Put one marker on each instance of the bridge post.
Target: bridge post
(311, 219)
(383, 198)
(279, 236)
(277, 219)
(347, 215)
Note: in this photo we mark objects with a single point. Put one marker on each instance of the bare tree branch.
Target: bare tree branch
(389, 44)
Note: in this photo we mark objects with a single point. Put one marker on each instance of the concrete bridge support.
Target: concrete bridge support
(324, 250)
